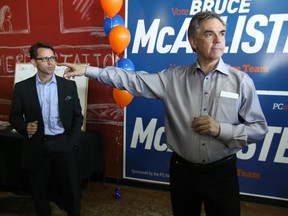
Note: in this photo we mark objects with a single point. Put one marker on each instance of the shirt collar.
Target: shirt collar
(221, 67)
(53, 80)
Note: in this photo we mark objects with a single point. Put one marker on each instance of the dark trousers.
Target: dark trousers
(60, 157)
(216, 186)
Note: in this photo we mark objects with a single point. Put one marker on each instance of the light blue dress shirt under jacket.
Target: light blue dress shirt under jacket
(226, 94)
(48, 99)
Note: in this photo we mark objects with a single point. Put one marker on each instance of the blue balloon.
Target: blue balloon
(126, 64)
(110, 23)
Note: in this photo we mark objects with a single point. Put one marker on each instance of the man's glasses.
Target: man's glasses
(46, 59)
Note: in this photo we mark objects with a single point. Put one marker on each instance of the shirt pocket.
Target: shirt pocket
(225, 109)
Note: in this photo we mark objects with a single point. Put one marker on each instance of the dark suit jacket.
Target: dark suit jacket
(26, 108)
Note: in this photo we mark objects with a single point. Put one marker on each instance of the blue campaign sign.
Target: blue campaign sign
(262, 167)
(256, 43)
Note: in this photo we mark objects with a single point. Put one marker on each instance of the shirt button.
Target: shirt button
(203, 160)
(203, 144)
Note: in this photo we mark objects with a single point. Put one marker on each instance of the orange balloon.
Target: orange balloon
(119, 38)
(122, 97)
(111, 7)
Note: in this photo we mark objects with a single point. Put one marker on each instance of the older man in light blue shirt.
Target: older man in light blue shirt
(211, 112)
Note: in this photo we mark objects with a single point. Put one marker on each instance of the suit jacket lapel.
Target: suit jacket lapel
(34, 95)
(61, 94)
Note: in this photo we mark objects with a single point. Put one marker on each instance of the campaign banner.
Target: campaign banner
(256, 43)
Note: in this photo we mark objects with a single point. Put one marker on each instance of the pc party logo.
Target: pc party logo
(280, 106)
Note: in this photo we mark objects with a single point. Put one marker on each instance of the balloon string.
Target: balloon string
(119, 136)
(116, 60)
(113, 61)
(119, 133)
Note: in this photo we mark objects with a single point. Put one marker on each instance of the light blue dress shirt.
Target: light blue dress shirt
(226, 94)
(48, 98)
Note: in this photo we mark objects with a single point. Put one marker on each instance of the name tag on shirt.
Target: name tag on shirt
(229, 95)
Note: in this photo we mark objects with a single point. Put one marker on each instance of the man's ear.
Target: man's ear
(193, 43)
(33, 61)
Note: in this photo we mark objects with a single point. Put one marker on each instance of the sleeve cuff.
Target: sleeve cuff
(225, 132)
(91, 72)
